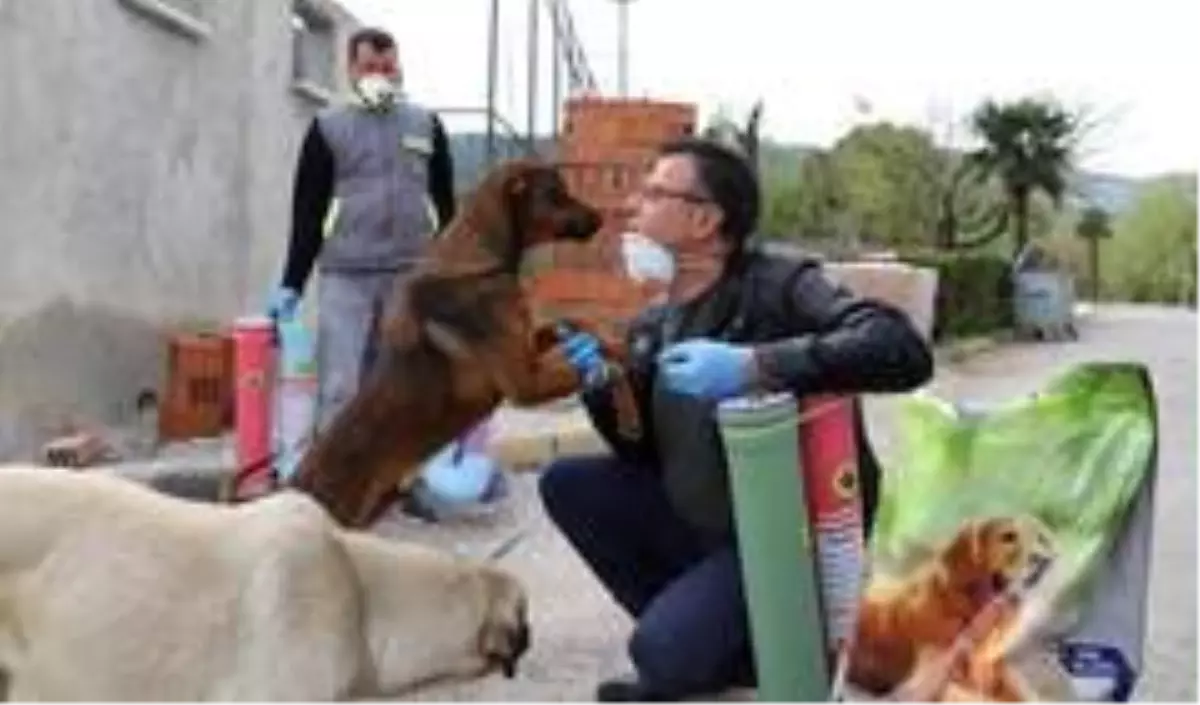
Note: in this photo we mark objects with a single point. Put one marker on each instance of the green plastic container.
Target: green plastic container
(777, 552)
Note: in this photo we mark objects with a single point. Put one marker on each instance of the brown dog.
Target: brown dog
(461, 341)
(906, 628)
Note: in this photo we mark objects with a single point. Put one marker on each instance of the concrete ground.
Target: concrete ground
(579, 635)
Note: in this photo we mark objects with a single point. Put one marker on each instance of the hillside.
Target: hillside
(1113, 192)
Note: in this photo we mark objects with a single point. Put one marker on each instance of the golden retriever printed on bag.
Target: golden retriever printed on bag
(460, 338)
(938, 632)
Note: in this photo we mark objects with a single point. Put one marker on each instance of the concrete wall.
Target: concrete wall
(145, 182)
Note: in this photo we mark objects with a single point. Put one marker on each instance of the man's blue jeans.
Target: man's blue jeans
(692, 635)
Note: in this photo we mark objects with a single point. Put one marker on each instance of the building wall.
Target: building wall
(146, 183)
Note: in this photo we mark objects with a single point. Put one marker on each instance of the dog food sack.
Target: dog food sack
(1009, 558)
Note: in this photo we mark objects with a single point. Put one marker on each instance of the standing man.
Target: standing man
(367, 173)
(653, 520)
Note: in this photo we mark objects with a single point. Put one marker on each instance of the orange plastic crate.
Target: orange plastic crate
(197, 395)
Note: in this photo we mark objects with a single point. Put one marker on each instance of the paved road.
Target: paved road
(579, 635)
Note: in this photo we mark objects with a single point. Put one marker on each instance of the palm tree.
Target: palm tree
(1093, 226)
(1029, 146)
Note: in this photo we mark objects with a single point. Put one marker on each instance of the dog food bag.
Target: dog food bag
(776, 547)
(1009, 557)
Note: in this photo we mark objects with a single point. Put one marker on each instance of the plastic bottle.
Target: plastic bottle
(295, 396)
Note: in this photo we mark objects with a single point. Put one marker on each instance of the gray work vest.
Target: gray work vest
(380, 216)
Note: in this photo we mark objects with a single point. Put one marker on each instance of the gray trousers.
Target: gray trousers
(349, 307)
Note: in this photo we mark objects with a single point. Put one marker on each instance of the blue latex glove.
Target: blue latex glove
(456, 478)
(582, 350)
(707, 368)
(282, 304)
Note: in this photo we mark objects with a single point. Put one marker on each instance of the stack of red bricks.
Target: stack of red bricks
(607, 145)
(605, 148)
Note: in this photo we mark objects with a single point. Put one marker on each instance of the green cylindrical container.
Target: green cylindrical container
(775, 540)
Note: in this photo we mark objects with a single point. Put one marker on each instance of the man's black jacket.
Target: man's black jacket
(811, 337)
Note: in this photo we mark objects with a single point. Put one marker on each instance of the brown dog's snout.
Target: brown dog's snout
(584, 221)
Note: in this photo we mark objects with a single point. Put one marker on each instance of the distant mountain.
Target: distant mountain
(1111, 192)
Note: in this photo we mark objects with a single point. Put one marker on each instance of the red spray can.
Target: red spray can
(829, 459)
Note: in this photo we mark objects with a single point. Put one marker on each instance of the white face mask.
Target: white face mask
(378, 92)
(646, 260)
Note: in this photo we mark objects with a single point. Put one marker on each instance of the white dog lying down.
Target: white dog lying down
(112, 591)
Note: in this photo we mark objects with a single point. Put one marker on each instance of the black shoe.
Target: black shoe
(627, 690)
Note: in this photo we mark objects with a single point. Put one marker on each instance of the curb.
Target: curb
(567, 432)
(962, 349)
(572, 434)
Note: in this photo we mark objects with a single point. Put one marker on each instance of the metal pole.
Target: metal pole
(623, 48)
(532, 88)
(493, 59)
(555, 82)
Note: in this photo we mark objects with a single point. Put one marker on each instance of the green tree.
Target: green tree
(805, 200)
(1094, 227)
(1152, 254)
(884, 172)
(963, 206)
(1029, 146)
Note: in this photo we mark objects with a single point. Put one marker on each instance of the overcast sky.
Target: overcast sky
(817, 64)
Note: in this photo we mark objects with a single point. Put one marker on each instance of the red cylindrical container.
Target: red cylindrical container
(254, 367)
(829, 458)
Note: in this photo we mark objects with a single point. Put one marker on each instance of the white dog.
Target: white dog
(112, 591)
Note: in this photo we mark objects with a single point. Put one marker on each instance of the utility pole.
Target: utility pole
(555, 83)
(493, 58)
(533, 73)
(623, 47)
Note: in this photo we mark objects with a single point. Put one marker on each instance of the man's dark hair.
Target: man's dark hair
(379, 39)
(729, 181)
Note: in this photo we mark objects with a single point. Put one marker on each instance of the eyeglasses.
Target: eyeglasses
(655, 193)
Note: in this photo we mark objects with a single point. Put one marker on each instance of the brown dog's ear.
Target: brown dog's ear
(509, 246)
(517, 185)
(962, 557)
